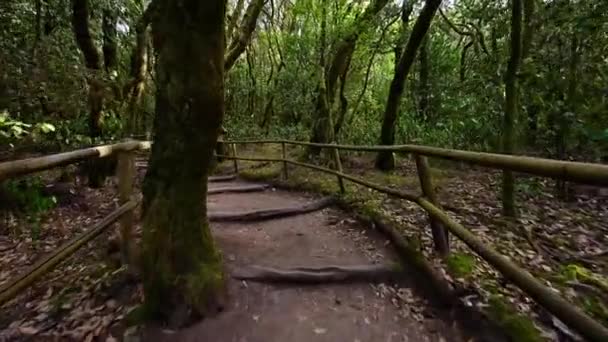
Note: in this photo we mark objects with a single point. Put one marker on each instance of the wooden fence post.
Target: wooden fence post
(284, 154)
(339, 169)
(440, 234)
(236, 162)
(126, 177)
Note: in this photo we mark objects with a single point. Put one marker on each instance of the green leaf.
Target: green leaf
(46, 128)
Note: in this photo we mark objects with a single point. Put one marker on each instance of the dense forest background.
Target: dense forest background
(454, 93)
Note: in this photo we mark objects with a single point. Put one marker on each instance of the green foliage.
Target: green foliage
(14, 130)
(26, 197)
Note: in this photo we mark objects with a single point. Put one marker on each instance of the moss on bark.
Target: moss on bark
(181, 266)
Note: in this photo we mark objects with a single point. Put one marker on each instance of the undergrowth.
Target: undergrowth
(26, 197)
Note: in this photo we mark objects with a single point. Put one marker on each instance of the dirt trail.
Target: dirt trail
(294, 313)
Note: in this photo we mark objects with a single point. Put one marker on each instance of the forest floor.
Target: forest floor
(563, 243)
(324, 312)
(88, 298)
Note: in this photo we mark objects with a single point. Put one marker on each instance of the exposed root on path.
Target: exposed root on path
(267, 214)
(221, 178)
(319, 275)
(410, 255)
(238, 189)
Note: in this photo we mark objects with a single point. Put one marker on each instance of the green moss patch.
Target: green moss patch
(519, 327)
(460, 265)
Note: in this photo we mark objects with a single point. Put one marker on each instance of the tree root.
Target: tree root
(221, 178)
(268, 214)
(319, 275)
(238, 189)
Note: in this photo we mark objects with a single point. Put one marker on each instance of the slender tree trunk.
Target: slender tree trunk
(239, 43)
(511, 108)
(139, 70)
(385, 161)
(321, 101)
(423, 76)
(251, 96)
(565, 117)
(463, 60)
(323, 127)
(38, 27)
(110, 49)
(532, 109)
(181, 265)
(80, 25)
(406, 12)
(234, 19)
(343, 100)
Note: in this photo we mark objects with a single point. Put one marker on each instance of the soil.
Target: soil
(337, 312)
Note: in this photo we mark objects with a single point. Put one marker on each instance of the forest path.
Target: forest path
(297, 313)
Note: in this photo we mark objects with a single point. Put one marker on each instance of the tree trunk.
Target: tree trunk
(406, 11)
(234, 19)
(463, 60)
(323, 127)
(181, 265)
(565, 118)
(321, 106)
(511, 104)
(385, 161)
(139, 69)
(239, 43)
(424, 88)
(80, 26)
(251, 94)
(343, 100)
(110, 50)
(37, 27)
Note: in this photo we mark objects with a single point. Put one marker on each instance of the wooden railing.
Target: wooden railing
(440, 221)
(125, 172)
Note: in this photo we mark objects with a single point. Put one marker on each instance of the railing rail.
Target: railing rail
(572, 171)
(125, 174)
(542, 294)
(587, 173)
(22, 167)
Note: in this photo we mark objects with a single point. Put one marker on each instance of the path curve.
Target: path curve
(299, 313)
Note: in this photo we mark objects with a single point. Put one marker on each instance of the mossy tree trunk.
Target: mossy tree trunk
(385, 161)
(243, 36)
(181, 266)
(92, 59)
(233, 19)
(97, 170)
(139, 69)
(511, 103)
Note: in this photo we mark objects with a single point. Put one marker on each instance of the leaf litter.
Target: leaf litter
(86, 297)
